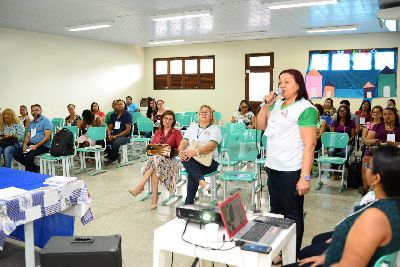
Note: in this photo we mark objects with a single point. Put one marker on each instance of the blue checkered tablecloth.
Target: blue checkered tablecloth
(40, 201)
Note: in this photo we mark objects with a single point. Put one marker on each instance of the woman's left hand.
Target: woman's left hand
(302, 186)
(314, 261)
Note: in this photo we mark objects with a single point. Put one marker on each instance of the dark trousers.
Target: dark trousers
(317, 247)
(285, 200)
(112, 148)
(196, 172)
(27, 159)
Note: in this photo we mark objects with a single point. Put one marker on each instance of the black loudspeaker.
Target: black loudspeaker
(82, 251)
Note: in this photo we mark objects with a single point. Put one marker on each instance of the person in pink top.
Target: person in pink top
(161, 168)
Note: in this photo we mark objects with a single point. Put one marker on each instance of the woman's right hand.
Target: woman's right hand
(315, 261)
(268, 100)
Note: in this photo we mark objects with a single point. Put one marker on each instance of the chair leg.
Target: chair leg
(341, 187)
(225, 189)
(253, 202)
(319, 184)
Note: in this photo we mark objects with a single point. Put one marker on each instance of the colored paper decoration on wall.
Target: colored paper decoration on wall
(369, 90)
(387, 83)
(314, 84)
(329, 90)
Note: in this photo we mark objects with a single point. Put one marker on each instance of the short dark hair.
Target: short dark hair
(36, 105)
(320, 109)
(393, 101)
(247, 103)
(128, 97)
(120, 100)
(70, 105)
(23, 106)
(330, 99)
(386, 163)
(166, 113)
(345, 102)
(299, 79)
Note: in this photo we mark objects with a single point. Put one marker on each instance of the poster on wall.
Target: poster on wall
(314, 84)
(387, 83)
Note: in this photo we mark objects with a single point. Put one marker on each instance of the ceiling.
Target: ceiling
(230, 20)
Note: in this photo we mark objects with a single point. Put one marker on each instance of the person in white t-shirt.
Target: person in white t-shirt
(208, 137)
(290, 125)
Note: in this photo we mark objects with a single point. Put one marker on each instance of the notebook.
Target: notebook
(238, 227)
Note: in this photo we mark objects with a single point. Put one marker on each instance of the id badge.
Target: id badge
(362, 120)
(33, 132)
(391, 138)
(117, 125)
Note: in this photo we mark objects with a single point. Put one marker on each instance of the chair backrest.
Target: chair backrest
(142, 119)
(235, 127)
(231, 138)
(135, 116)
(388, 260)
(217, 115)
(192, 114)
(242, 151)
(184, 120)
(328, 119)
(97, 133)
(145, 126)
(57, 122)
(334, 140)
(251, 135)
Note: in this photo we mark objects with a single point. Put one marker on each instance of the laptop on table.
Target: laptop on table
(238, 227)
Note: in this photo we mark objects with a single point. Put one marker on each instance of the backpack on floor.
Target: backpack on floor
(62, 144)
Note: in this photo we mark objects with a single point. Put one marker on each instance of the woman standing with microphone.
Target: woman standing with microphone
(290, 125)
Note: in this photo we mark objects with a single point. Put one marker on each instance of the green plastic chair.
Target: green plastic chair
(135, 116)
(228, 138)
(242, 152)
(332, 140)
(49, 162)
(235, 127)
(251, 135)
(184, 121)
(388, 260)
(95, 134)
(217, 117)
(144, 126)
(57, 122)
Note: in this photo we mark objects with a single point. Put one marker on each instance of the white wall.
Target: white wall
(54, 71)
(230, 63)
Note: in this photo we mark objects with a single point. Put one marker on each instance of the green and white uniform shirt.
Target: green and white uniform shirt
(284, 143)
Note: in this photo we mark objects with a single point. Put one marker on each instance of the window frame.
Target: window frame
(202, 81)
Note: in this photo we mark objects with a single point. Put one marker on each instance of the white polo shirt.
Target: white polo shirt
(285, 146)
(204, 135)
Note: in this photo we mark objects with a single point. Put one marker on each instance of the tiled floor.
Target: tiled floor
(117, 212)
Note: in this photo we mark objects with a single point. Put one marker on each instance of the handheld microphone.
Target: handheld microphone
(277, 92)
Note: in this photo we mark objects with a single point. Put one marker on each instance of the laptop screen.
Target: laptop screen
(233, 214)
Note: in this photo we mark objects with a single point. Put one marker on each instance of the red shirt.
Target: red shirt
(173, 138)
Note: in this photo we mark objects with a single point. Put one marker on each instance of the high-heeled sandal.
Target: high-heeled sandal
(135, 191)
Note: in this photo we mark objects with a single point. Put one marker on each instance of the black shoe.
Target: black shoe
(108, 162)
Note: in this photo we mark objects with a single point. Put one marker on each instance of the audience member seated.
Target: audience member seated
(245, 115)
(382, 133)
(343, 124)
(72, 119)
(11, 133)
(95, 108)
(151, 108)
(329, 109)
(118, 131)
(376, 118)
(364, 112)
(107, 119)
(161, 168)
(24, 118)
(321, 126)
(88, 120)
(132, 107)
(391, 103)
(373, 230)
(157, 115)
(37, 140)
(203, 138)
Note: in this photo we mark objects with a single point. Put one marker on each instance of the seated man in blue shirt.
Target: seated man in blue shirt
(118, 131)
(132, 107)
(37, 140)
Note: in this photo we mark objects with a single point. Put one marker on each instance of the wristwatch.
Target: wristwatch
(307, 177)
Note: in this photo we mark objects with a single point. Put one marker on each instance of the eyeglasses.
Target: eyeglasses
(244, 107)
(342, 110)
(168, 119)
(205, 112)
(376, 112)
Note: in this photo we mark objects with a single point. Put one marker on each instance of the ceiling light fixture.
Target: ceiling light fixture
(165, 42)
(299, 3)
(333, 29)
(183, 15)
(87, 27)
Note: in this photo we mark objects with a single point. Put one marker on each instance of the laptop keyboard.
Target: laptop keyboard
(256, 232)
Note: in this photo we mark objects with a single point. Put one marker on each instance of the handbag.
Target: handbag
(203, 159)
(6, 142)
(158, 149)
